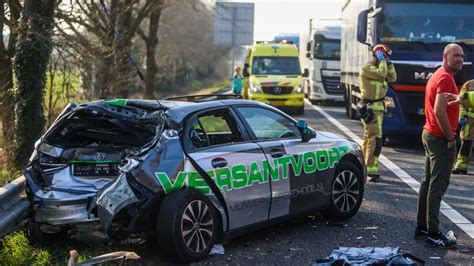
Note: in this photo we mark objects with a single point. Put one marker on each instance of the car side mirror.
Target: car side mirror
(306, 73)
(306, 133)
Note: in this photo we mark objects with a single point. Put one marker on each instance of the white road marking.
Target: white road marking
(462, 222)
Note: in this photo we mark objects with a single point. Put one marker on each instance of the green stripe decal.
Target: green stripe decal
(116, 102)
(92, 161)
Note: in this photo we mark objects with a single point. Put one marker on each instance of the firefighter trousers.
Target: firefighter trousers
(467, 136)
(372, 145)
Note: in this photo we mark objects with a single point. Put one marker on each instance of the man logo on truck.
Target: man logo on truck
(423, 75)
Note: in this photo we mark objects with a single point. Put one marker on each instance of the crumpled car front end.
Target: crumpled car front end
(81, 153)
(128, 206)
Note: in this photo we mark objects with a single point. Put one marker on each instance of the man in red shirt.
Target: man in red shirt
(438, 142)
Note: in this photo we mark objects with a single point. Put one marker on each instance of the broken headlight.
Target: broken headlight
(128, 165)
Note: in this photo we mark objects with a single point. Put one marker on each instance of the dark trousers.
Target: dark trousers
(438, 165)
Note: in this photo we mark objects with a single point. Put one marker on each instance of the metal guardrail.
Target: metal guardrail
(13, 205)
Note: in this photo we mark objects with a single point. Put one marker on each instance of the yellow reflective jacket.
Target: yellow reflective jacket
(373, 82)
(467, 103)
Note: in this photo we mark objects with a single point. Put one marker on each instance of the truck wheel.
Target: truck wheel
(351, 112)
(187, 226)
(347, 191)
(384, 140)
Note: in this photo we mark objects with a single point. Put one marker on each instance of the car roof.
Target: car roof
(179, 110)
(176, 110)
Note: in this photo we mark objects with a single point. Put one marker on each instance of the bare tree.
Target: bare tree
(88, 30)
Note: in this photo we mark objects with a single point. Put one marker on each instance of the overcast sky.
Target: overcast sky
(274, 17)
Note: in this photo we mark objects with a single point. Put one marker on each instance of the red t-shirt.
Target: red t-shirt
(440, 82)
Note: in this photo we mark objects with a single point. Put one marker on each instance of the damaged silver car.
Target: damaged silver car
(189, 174)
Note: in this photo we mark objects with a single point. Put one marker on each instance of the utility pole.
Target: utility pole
(234, 24)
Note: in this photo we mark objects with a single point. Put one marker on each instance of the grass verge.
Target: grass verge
(16, 250)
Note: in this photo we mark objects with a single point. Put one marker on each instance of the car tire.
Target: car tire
(182, 236)
(347, 191)
(37, 236)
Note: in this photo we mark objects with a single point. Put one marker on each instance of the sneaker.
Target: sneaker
(439, 240)
(421, 232)
(373, 177)
(457, 171)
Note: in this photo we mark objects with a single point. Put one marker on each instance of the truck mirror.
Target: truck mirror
(306, 73)
(362, 27)
(308, 55)
(308, 47)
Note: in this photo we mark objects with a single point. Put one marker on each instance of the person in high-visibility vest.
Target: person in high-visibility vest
(373, 79)
(466, 122)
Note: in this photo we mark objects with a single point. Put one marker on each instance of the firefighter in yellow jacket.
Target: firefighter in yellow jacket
(373, 79)
(466, 122)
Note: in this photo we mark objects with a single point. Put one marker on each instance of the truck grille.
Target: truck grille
(277, 90)
(331, 86)
(416, 101)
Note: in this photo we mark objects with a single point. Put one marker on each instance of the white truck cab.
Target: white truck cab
(323, 55)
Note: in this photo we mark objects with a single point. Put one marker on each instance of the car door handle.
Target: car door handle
(276, 153)
(218, 163)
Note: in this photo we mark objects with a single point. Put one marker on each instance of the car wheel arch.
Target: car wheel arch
(349, 157)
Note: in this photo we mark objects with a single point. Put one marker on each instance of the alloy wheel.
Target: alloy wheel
(197, 226)
(345, 191)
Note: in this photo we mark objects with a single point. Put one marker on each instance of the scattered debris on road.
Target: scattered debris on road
(368, 256)
(371, 228)
(113, 256)
(339, 224)
(217, 249)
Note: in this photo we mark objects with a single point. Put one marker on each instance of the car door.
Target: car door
(220, 145)
(291, 162)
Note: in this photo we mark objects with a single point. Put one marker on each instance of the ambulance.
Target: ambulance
(272, 74)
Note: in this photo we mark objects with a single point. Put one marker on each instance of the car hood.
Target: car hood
(81, 151)
(330, 135)
(276, 80)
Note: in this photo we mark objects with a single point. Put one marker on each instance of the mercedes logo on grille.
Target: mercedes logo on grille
(100, 156)
(277, 90)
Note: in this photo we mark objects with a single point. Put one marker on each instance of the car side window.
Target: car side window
(267, 124)
(214, 128)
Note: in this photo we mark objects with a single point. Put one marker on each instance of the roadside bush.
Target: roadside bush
(16, 250)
